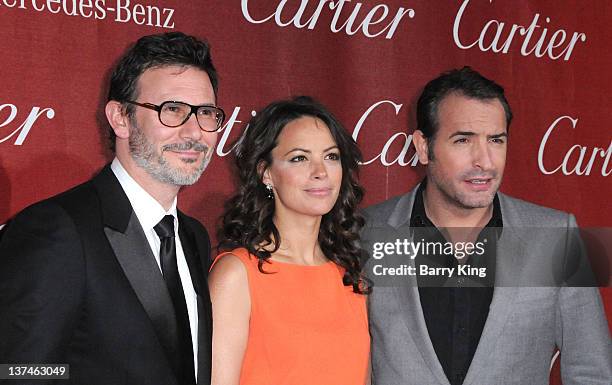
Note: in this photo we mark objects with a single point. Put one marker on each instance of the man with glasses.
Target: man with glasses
(110, 277)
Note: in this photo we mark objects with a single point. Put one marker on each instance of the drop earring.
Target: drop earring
(270, 192)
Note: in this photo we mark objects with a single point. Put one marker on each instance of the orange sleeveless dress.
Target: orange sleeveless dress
(306, 327)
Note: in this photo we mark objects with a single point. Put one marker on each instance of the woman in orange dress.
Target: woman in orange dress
(289, 300)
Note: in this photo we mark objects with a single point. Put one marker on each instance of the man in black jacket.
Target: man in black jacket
(109, 277)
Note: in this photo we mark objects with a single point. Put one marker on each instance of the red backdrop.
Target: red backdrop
(367, 60)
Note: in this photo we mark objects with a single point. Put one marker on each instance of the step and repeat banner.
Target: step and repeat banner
(366, 60)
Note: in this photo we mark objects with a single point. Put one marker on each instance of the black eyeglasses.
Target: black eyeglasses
(174, 114)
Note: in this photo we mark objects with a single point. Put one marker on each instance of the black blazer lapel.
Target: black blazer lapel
(191, 256)
(197, 260)
(133, 253)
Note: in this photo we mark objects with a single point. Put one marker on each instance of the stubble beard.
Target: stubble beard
(461, 199)
(144, 154)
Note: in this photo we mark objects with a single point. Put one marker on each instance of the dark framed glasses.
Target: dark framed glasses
(174, 114)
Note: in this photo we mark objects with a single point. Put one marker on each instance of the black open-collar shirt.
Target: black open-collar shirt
(455, 316)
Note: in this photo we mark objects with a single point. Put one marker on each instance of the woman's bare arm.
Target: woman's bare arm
(231, 307)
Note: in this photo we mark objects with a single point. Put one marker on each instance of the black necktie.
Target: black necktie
(167, 258)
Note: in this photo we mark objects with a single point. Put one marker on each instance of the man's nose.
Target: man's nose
(190, 130)
(482, 157)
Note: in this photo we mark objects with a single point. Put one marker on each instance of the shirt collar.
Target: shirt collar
(419, 218)
(148, 211)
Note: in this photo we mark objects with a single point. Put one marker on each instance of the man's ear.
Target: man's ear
(118, 119)
(421, 145)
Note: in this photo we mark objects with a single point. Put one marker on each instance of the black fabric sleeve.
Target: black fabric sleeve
(42, 283)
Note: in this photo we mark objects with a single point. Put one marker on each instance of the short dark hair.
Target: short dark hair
(161, 50)
(247, 221)
(464, 81)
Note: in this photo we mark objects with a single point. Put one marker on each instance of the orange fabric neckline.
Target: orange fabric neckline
(273, 261)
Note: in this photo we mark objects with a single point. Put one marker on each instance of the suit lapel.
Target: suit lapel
(510, 262)
(408, 295)
(134, 255)
(194, 262)
(415, 322)
(191, 255)
(138, 263)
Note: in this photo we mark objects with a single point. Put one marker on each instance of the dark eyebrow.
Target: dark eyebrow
(195, 105)
(462, 133)
(308, 151)
(470, 133)
(297, 149)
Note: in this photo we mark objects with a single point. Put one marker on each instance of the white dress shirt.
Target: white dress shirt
(149, 212)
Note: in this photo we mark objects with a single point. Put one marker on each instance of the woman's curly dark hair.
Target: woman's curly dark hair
(247, 221)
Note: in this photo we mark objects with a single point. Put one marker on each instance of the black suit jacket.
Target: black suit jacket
(79, 285)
